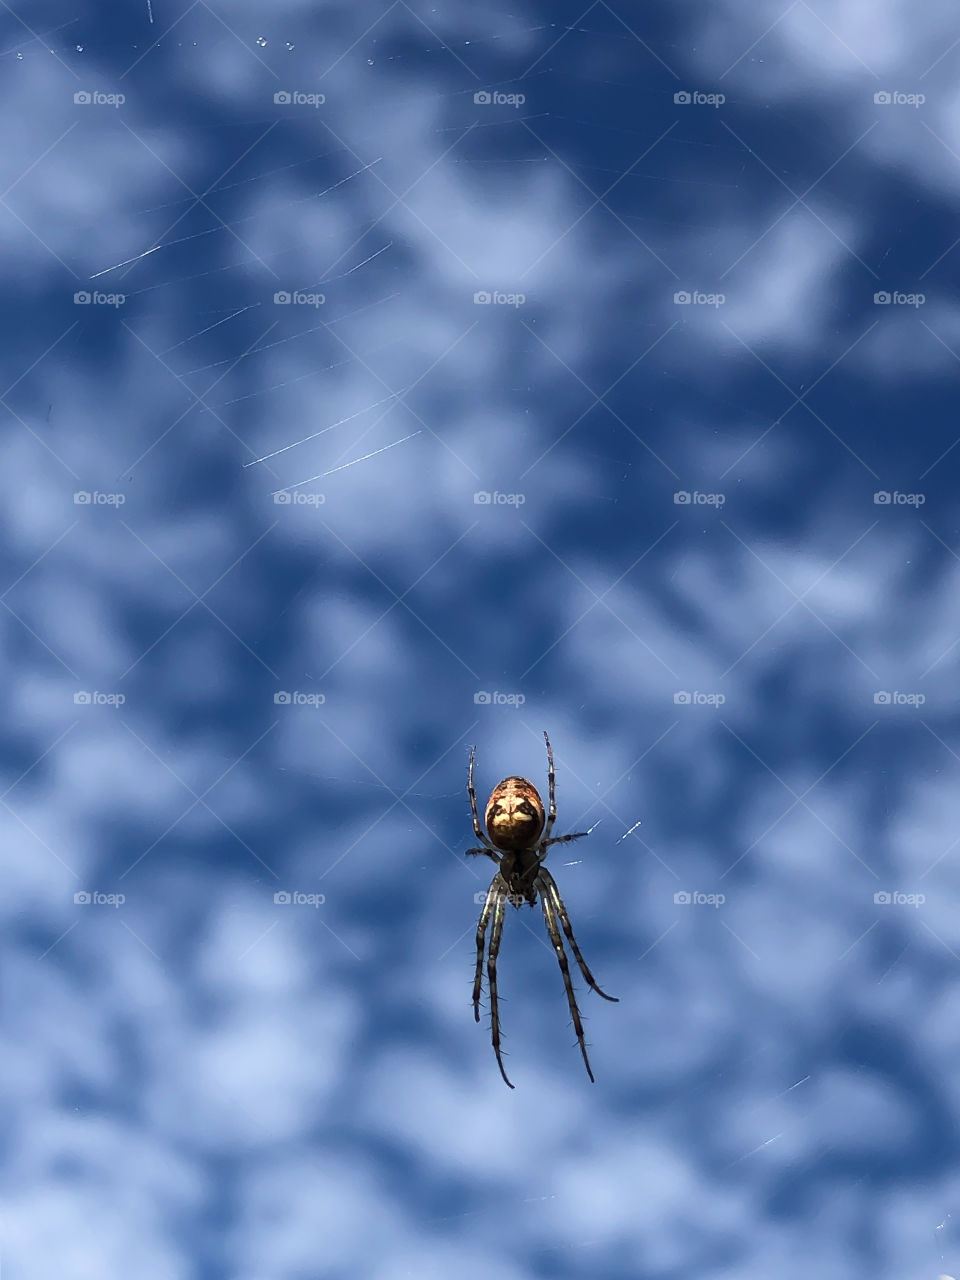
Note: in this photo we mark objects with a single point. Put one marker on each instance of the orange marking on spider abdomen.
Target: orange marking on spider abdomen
(514, 814)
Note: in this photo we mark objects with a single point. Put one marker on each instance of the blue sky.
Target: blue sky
(387, 380)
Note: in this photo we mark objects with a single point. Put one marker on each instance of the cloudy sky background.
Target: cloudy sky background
(332, 544)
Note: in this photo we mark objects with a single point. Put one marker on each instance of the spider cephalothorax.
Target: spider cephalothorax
(519, 835)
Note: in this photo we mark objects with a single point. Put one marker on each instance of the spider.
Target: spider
(518, 842)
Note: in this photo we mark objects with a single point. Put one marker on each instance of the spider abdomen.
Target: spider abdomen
(514, 815)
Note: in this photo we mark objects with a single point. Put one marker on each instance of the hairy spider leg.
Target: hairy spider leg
(495, 934)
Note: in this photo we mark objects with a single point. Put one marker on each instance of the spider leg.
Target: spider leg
(471, 791)
(491, 853)
(563, 839)
(489, 848)
(495, 934)
(481, 938)
(552, 789)
(550, 885)
(557, 941)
